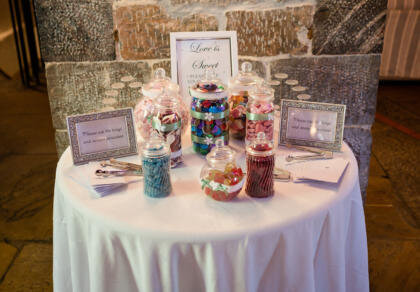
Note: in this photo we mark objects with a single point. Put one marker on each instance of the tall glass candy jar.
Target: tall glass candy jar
(209, 114)
(145, 108)
(167, 122)
(260, 167)
(221, 179)
(239, 88)
(260, 113)
(156, 164)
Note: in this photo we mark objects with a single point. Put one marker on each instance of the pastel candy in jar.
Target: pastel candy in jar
(209, 114)
(156, 165)
(145, 108)
(221, 179)
(260, 161)
(167, 123)
(239, 88)
(260, 113)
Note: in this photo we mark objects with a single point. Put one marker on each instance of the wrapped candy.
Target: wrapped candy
(167, 121)
(239, 88)
(220, 178)
(260, 167)
(260, 113)
(155, 164)
(145, 108)
(209, 114)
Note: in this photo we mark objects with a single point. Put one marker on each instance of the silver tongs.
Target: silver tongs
(125, 169)
(318, 153)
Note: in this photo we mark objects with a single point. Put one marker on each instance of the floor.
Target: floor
(28, 160)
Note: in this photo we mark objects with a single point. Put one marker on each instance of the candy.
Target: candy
(218, 184)
(208, 127)
(237, 119)
(157, 181)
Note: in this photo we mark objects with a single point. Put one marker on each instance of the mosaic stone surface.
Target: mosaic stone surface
(349, 26)
(76, 88)
(75, 30)
(360, 141)
(350, 80)
(143, 30)
(271, 32)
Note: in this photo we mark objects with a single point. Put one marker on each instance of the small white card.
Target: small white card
(329, 170)
(103, 135)
(194, 52)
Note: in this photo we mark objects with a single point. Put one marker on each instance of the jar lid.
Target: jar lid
(154, 87)
(245, 79)
(167, 98)
(209, 87)
(262, 92)
(220, 153)
(260, 146)
(155, 147)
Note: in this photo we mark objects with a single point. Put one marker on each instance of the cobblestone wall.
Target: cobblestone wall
(99, 52)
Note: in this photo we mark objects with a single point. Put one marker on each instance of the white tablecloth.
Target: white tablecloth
(307, 237)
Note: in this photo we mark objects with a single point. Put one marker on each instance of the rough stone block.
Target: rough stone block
(350, 80)
(75, 30)
(349, 26)
(32, 270)
(76, 88)
(272, 32)
(143, 30)
(62, 141)
(7, 253)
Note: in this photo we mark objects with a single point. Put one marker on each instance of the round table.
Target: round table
(307, 237)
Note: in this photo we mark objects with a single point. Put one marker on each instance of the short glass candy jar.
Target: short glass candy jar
(260, 113)
(220, 178)
(143, 112)
(260, 167)
(239, 87)
(209, 114)
(156, 164)
(167, 121)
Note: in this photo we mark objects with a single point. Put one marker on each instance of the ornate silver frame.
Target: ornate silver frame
(79, 158)
(340, 109)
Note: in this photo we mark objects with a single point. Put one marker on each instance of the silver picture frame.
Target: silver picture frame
(339, 109)
(81, 158)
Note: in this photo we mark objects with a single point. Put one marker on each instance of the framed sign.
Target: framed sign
(312, 124)
(194, 52)
(102, 135)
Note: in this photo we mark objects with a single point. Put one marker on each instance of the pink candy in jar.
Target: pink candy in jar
(260, 113)
(143, 112)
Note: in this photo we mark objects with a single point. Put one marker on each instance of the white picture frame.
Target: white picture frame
(204, 49)
(313, 124)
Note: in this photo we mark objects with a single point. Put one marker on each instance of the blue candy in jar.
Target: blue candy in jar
(156, 164)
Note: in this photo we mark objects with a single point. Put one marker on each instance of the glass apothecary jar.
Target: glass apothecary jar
(145, 108)
(156, 165)
(260, 160)
(209, 114)
(239, 88)
(260, 113)
(220, 177)
(167, 122)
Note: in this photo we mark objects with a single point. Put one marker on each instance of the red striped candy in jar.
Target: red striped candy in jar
(260, 160)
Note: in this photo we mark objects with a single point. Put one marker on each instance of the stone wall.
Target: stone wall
(99, 52)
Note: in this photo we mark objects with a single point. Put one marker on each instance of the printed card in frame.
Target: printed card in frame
(194, 52)
(99, 136)
(312, 124)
